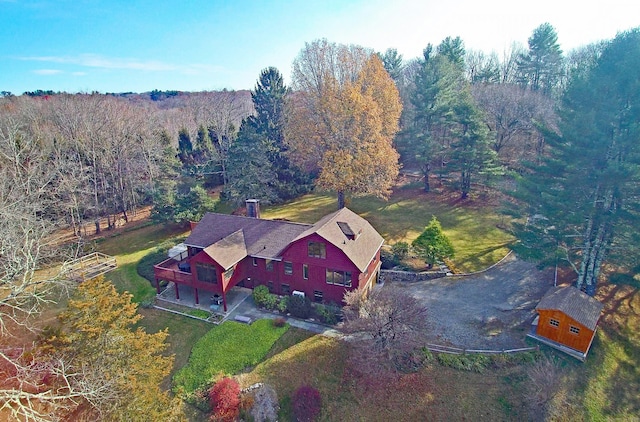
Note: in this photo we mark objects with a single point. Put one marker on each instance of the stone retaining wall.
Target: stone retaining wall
(408, 276)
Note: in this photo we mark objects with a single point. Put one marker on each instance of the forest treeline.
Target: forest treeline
(463, 112)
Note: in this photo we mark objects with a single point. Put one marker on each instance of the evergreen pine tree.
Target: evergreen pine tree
(541, 67)
(575, 202)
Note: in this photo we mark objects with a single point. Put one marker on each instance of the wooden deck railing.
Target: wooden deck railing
(89, 266)
(161, 272)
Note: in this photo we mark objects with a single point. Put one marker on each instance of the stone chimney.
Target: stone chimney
(253, 208)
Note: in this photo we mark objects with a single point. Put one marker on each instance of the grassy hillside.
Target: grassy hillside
(472, 226)
(605, 387)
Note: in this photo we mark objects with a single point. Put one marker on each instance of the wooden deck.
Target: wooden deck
(89, 266)
(168, 270)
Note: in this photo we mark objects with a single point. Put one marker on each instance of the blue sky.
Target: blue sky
(120, 46)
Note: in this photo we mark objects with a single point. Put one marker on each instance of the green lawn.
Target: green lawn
(128, 248)
(472, 228)
(183, 334)
(227, 349)
(608, 387)
(433, 393)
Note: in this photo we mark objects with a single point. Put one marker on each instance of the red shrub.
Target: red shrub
(224, 398)
(306, 403)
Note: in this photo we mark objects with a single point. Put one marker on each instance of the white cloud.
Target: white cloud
(118, 63)
(47, 71)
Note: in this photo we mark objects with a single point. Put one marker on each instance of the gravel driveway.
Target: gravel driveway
(492, 310)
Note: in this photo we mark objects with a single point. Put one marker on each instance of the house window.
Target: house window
(554, 322)
(194, 251)
(317, 296)
(317, 250)
(288, 268)
(574, 330)
(269, 264)
(285, 289)
(270, 286)
(207, 273)
(254, 261)
(340, 278)
(305, 271)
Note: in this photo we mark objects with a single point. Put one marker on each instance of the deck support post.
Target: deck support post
(224, 300)
(177, 291)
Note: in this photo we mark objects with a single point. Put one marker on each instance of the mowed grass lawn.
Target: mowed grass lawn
(226, 350)
(184, 332)
(434, 393)
(471, 226)
(128, 248)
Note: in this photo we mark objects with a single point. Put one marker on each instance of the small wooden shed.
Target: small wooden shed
(567, 320)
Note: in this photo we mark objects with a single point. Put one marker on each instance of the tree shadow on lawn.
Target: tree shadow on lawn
(486, 257)
(609, 381)
(432, 393)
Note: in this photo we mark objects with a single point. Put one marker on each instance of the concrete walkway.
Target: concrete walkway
(249, 309)
(240, 303)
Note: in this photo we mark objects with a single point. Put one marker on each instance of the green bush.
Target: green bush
(228, 349)
(524, 358)
(300, 307)
(199, 313)
(283, 303)
(474, 363)
(328, 313)
(271, 301)
(145, 265)
(260, 294)
(388, 260)
(400, 250)
(428, 356)
(159, 254)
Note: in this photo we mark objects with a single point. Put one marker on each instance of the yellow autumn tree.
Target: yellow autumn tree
(125, 364)
(342, 119)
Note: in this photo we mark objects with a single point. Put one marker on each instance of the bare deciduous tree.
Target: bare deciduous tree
(513, 115)
(386, 328)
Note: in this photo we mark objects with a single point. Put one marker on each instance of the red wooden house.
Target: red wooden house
(567, 320)
(340, 252)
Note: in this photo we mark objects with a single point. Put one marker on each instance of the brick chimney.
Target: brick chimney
(253, 208)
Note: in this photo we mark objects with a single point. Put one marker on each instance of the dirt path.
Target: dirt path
(492, 310)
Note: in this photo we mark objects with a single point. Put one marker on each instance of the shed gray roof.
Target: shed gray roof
(218, 233)
(574, 303)
(350, 233)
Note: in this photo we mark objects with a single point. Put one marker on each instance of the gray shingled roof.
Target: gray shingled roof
(574, 303)
(229, 250)
(360, 250)
(262, 238)
(229, 238)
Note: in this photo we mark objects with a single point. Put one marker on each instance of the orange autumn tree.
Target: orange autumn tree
(342, 119)
(99, 339)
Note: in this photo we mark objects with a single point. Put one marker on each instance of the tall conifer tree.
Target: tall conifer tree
(577, 200)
